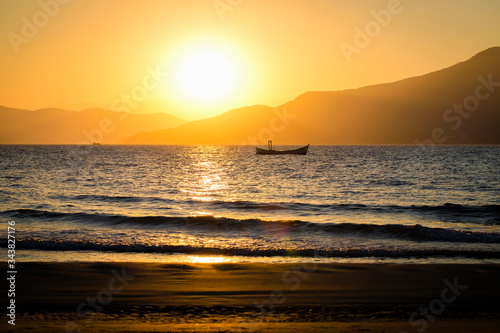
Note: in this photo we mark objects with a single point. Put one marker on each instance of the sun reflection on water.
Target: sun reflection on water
(206, 260)
(205, 176)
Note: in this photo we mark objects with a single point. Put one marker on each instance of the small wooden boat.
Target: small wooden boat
(271, 151)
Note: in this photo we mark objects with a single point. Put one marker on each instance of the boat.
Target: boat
(271, 151)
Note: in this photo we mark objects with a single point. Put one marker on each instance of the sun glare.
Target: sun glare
(206, 76)
(207, 260)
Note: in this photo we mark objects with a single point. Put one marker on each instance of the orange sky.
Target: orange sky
(130, 54)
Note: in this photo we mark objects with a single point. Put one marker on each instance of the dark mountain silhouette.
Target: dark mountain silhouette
(428, 108)
(58, 126)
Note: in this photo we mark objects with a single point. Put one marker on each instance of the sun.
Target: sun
(206, 76)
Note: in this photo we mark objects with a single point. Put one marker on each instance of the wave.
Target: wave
(415, 232)
(447, 208)
(451, 209)
(54, 245)
(118, 199)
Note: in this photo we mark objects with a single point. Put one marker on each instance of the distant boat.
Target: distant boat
(96, 144)
(271, 151)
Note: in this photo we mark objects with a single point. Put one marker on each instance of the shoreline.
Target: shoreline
(255, 297)
(48, 256)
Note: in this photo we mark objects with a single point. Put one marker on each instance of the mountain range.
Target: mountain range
(456, 105)
(59, 126)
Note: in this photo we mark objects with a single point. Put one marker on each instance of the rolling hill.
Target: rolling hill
(58, 126)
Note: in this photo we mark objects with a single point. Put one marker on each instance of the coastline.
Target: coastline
(129, 297)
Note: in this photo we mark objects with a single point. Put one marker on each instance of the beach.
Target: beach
(149, 297)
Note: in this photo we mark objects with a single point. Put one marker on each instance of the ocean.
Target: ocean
(403, 204)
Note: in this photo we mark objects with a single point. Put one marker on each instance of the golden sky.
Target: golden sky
(199, 58)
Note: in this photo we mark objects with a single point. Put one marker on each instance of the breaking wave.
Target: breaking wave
(415, 232)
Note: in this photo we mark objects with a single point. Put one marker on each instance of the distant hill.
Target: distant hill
(58, 126)
(228, 128)
(427, 108)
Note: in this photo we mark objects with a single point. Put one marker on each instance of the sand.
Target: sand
(147, 297)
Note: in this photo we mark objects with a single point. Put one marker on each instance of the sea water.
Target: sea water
(406, 204)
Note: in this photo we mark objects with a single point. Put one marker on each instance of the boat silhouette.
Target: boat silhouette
(271, 151)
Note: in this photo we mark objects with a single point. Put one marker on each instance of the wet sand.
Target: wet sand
(146, 297)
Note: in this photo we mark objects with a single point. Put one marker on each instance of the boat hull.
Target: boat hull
(298, 151)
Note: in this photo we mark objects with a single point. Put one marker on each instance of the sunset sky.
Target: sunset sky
(200, 58)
